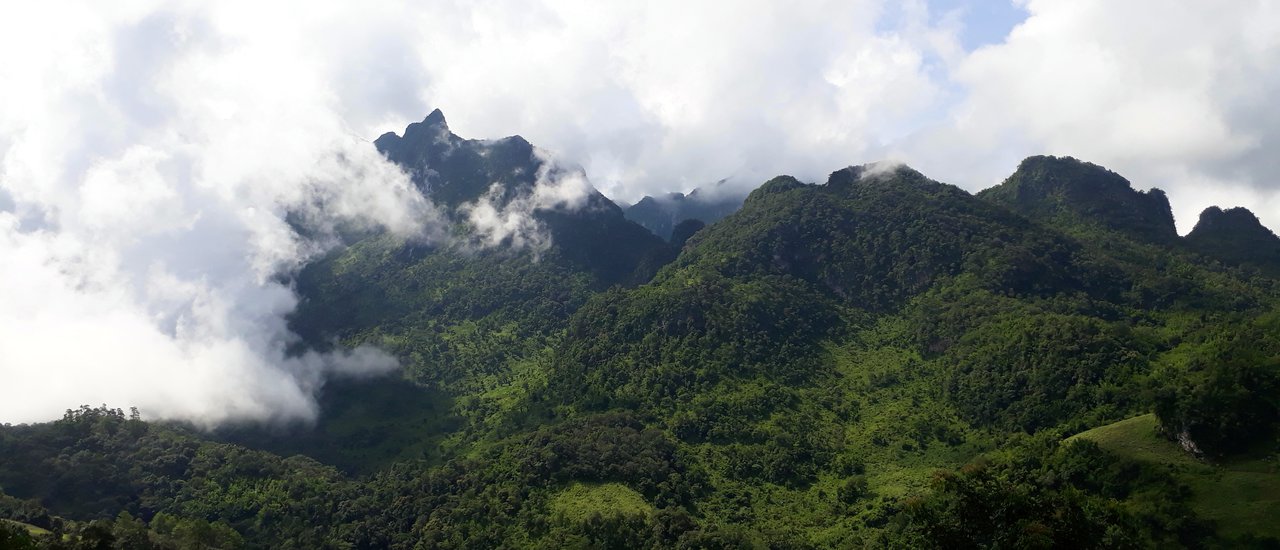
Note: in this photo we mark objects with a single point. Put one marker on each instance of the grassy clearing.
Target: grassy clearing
(33, 530)
(1242, 496)
(580, 501)
(1240, 502)
(1136, 438)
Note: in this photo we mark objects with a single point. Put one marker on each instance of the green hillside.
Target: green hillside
(1137, 438)
(30, 529)
(1241, 495)
(879, 360)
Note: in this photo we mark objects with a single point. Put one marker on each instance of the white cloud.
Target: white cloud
(1171, 95)
(668, 95)
(497, 220)
(149, 153)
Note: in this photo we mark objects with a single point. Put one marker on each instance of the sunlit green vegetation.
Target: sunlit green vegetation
(882, 360)
(1241, 494)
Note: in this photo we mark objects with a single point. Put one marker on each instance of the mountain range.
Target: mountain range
(663, 214)
(878, 360)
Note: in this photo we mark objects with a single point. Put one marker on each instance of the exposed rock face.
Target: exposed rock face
(1188, 444)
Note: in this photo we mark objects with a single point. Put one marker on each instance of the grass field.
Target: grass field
(580, 501)
(1136, 438)
(33, 530)
(1242, 496)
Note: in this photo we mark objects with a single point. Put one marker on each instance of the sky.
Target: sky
(149, 150)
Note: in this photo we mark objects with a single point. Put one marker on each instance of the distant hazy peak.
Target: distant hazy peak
(663, 213)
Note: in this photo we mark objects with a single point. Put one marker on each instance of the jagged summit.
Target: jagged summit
(1235, 236)
(432, 128)
(435, 118)
(454, 170)
(434, 124)
(1065, 189)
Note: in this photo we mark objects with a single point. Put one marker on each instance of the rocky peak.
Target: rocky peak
(1063, 189)
(1237, 221)
(1235, 236)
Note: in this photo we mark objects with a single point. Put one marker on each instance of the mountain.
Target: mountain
(453, 172)
(464, 317)
(878, 360)
(662, 214)
(1073, 192)
(1236, 237)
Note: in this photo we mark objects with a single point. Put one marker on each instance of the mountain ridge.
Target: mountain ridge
(881, 359)
(1236, 237)
(457, 173)
(1076, 192)
(663, 213)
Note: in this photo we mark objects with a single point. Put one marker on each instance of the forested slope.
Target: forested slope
(878, 360)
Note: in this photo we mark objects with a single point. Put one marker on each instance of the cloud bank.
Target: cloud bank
(148, 160)
(667, 96)
(1171, 95)
(149, 151)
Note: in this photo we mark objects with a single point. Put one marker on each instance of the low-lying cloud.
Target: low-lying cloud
(498, 220)
(149, 160)
(167, 299)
